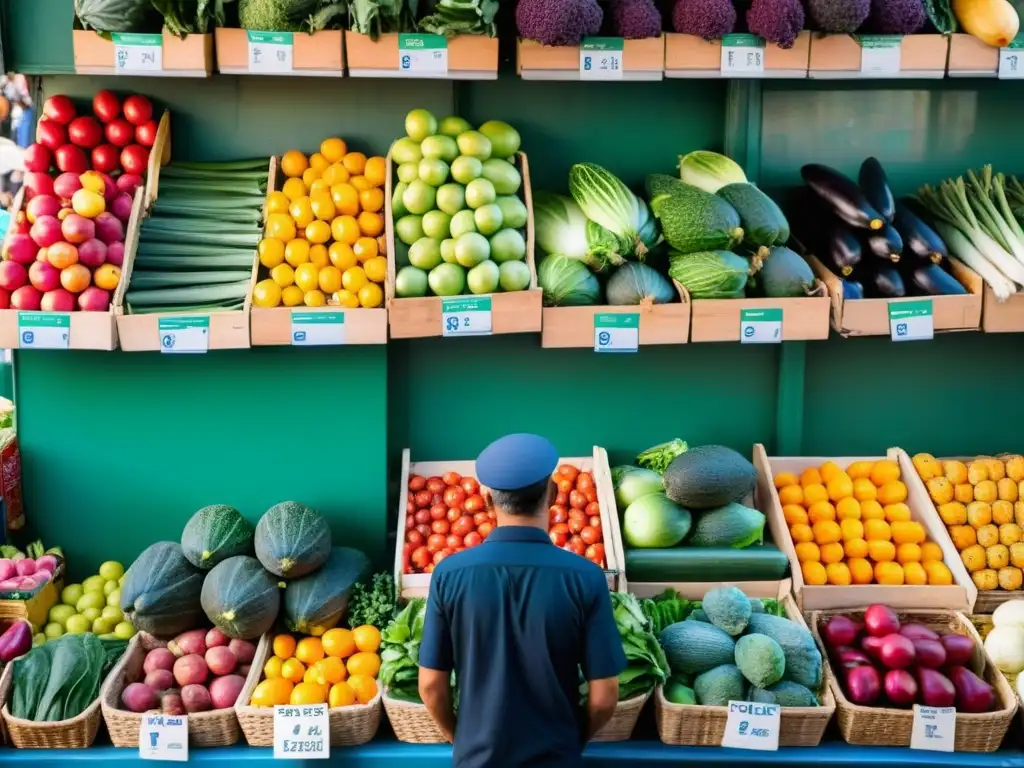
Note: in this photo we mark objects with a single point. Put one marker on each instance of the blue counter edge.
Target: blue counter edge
(385, 754)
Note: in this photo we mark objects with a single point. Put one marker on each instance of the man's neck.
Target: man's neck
(531, 521)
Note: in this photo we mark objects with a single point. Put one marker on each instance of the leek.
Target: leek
(198, 294)
(965, 251)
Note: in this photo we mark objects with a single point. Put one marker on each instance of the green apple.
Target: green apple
(71, 594)
(53, 629)
(78, 624)
(111, 570)
(60, 613)
(124, 630)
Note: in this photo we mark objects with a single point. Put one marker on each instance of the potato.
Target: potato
(224, 691)
(196, 698)
(215, 638)
(191, 670)
(243, 669)
(244, 651)
(160, 680)
(221, 660)
(171, 703)
(193, 641)
(158, 658)
(139, 697)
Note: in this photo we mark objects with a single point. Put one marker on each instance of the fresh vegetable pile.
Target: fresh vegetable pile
(23, 573)
(567, 22)
(324, 239)
(982, 506)
(1004, 640)
(373, 604)
(179, 17)
(457, 206)
(646, 666)
(670, 607)
(443, 515)
(574, 519)
(885, 662)
(399, 671)
(853, 526)
(94, 605)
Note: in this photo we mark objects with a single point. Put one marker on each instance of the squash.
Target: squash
(292, 540)
(216, 533)
(161, 590)
(994, 22)
(316, 603)
(240, 598)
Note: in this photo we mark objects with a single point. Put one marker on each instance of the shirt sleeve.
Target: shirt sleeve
(436, 646)
(603, 656)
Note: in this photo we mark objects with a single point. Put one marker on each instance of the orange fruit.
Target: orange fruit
(814, 573)
(345, 229)
(372, 199)
(365, 688)
(271, 692)
(839, 574)
(341, 255)
(354, 162)
(284, 647)
(294, 163)
(308, 693)
(801, 532)
(346, 198)
(363, 663)
(291, 296)
(808, 551)
(791, 494)
(353, 279)
(309, 176)
(871, 510)
(810, 476)
(301, 211)
(341, 695)
(861, 571)
(318, 162)
(318, 255)
(855, 548)
(367, 638)
(820, 510)
(283, 275)
(314, 298)
(277, 202)
(293, 189)
(376, 269)
(271, 251)
(318, 232)
(889, 573)
(813, 493)
(793, 513)
(930, 551)
(281, 226)
(307, 277)
(329, 279)
(892, 492)
(334, 174)
(371, 296)
(107, 276)
(848, 509)
(371, 223)
(293, 670)
(832, 553)
(376, 170)
(786, 478)
(309, 650)
(365, 248)
(333, 149)
(312, 676)
(864, 489)
(885, 471)
(338, 643)
(272, 669)
(829, 470)
(332, 669)
(361, 183)
(840, 486)
(296, 252)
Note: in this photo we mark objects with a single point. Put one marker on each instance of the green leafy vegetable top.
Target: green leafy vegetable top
(374, 604)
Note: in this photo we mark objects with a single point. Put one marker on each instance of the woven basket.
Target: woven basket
(349, 726)
(77, 733)
(412, 722)
(620, 727)
(701, 726)
(218, 728)
(891, 727)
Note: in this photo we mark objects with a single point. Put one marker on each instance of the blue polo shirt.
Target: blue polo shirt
(516, 618)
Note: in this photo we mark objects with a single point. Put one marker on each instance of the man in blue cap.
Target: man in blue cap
(517, 618)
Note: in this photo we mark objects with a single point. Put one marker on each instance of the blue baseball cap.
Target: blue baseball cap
(516, 461)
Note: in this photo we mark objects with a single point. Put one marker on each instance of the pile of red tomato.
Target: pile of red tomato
(443, 515)
(574, 520)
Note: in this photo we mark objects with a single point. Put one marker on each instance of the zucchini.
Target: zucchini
(918, 238)
(763, 222)
(933, 280)
(875, 186)
(886, 244)
(886, 283)
(843, 196)
(843, 251)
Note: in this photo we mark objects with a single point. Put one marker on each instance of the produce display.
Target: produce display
(105, 16)
(196, 246)
(881, 660)
(373, 604)
(23, 573)
(323, 243)
(1004, 640)
(574, 519)
(646, 666)
(981, 502)
(576, 19)
(92, 606)
(399, 670)
(458, 209)
(853, 526)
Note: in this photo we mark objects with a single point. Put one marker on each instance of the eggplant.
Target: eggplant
(852, 289)
(919, 239)
(933, 280)
(875, 186)
(886, 283)
(886, 244)
(843, 251)
(844, 197)
(16, 641)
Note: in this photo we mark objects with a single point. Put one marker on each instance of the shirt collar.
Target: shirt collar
(523, 533)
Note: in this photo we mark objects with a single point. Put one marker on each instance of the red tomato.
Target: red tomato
(564, 485)
(559, 538)
(422, 498)
(595, 554)
(435, 484)
(440, 526)
(410, 518)
(576, 524)
(454, 496)
(410, 508)
(429, 568)
(562, 499)
(145, 134)
(60, 109)
(439, 556)
(135, 159)
(71, 159)
(454, 542)
(560, 528)
(474, 503)
(463, 526)
(407, 549)
(37, 158)
(138, 109)
(415, 538)
(51, 134)
(423, 517)
(417, 483)
(473, 539)
(480, 518)
(454, 514)
(105, 158)
(106, 106)
(485, 529)
(595, 522)
(470, 485)
(585, 482)
(577, 500)
(593, 509)
(591, 495)
(492, 515)
(424, 529)
(558, 514)
(85, 132)
(590, 536)
(452, 478)
(436, 541)
(420, 558)
(576, 545)
(568, 471)
(438, 512)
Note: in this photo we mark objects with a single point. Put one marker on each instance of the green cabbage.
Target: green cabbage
(560, 227)
(106, 16)
(605, 200)
(567, 282)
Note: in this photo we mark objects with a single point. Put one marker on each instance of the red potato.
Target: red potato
(863, 685)
(224, 691)
(929, 653)
(215, 638)
(221, 660)
(959, 649)
(171, 703)
(897, 652)
(196, 698)
(191, 670)
(139, 697)
(160, 680)
(243, 670)
(972, 693)
(900, 687)
(191, 642)
(244, 651)
(880, 620)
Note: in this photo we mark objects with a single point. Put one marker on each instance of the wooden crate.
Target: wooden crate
(689, 56)
(641, 60)
(418, 584)
(970, 57)
(958, 596)
(470, 57)
(321, 54)
(838, 57)
(188, 57)
(803, 319)
(413, 318)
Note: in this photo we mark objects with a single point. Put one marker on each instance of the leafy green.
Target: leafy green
(377, 17)
(373, 604)
(286, 15)
(106, 16)
(190, 17)
(658, 457)
(400, 654)
(774, 607)
(940, 13)
(647, 666)
(462, 17)
(666, 609)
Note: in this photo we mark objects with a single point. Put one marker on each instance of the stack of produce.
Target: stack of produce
(567, 22)
(646, 666)
(880, 17)
(457, 206)
(574, 519)
(94, 605)
(981, 502)
(670, 608)
(23, 573)
(196, 247)
(324, 238)
(179, 18)
(727, 238)
(777, 21)
(731, 649)
(853, 526)
(881, 661)
(399, 670)
(879, 247)
(1004, 640)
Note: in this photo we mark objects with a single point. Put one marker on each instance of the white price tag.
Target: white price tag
(184, 334)
(270, 52)
(301, 732)
(934, 728)
(880, 54)
(137, 53)
(752, 726)
(601, 58)
(1011, 61)
(422, 54)
(44, 330)
(911, 321)
(760, 326)
(311, 329)
(163, 737)
(466, 316)
(742, 56)
(615, 332)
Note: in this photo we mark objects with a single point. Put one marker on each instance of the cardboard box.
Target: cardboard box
(641, 60)
(321, 54)
(470, 57)
(835, 57)
(870, 317)
(412, 585)
(516, 312)
(689, 56)
(188, 57)
(958, 597)
(970, 57)
(1002, 316)
(804, 319)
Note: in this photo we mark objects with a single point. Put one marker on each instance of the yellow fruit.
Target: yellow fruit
(272, 692)
(810, 476)
(997, 556)
(988, 535)
(914, 573)
(318, 162)
(881, 551)
(1015, 468)
(908, 552)
(308, 693)
(860, 469)
(341, 695)
(931, 551)
(973, 557)
(309, 650)
(281, 226)
(372, 199)
(371, 224)
(877, 530)
(955, 471)
(272, 669)
(855, 548)
(985, 579)
(361, 183)
(848, 509)
(794, 513)
(791, 494)
(808, 551)
(314, 298)
(365, 688)
(838, 574)
(365, 248)
(318, 255)
(814, 493)
(953, 513)
(926, 465)
(964, 493)
(904, 531)
(371, 296)
(996, 470)
(786, 478)
(893, 492)
(839, 487)
(319, 186)
(376, 170)
(341, 255)
(338, 643)
(277, 202)
(313, 676)
(363, 663)
(283, 275)
(307, 277)
(346, 198)
(864, 489)
(376, 268)
(329, 279)
(979, 513)
(294, 163)
(814, 573)
(1010, 534)
(977, 472)
(832, 553)
(897, 513)
(871, 510)
(348, 299)
(291, 296)
(963, 536)
(827, 532)
(294, 189)
(885, 471)
(367, 638)
(801, 532)
(354, 162)
(889, 573)
(297, 252)
(1010, 578)
(309, 176)
(293, 670)
(851, 529)
(271, 251)
(938, 573)
(861, 571)
(301, 211)
(266, 293)
(323, 205)
(332, 669)
(986, 491)
(829, 470)
(345, 229)
(1002, 512)
(333, 149)
(318, 232)
(334, 174)
(353, 279)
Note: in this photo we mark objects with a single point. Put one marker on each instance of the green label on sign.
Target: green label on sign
(183, 323)
(617, 320)
(602, 44)
(760, 315)
(616, 332)
(318, 318)
(911, 320)
(743, 41)
(272, 38)
(423, 42)
(879, 41)
(1016, 44)
(43, 320)
(475, 304)
(43, 330)
(126, 38)
(907, 309)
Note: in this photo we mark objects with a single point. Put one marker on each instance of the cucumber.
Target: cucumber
(764, 223)
(760, 562)
(733, 525)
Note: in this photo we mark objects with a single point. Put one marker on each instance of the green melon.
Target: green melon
(316, 603)
(216, 533)
(161, 590)
(240, 598)
(292, 540)
(709, 476)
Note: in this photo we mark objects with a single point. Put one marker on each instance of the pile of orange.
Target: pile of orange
(853, 526)
(339, 669)
(324, 240)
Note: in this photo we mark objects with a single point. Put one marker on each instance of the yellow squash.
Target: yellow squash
(994, 22)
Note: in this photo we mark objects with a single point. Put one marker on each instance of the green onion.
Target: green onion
(196, 294)
(185, 214)
(199, 238)
(223, 165)
(199, 261)
(149, 280)
(222, 306)
(191, 250)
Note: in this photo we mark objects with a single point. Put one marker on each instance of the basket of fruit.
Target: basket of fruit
(30, 582)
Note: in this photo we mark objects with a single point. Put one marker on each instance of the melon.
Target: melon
(241, 598)
(216, 533)
(317, 602)
(292, 540)
(161, 590)
(709, 476)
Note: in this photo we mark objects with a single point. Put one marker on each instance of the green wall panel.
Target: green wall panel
(39, 33)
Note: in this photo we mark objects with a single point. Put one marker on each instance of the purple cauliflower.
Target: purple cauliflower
(635, 19)
(897, 17)
(593, 16)
(550, 22)
(710, 19)
(839, 17)
(777, 21)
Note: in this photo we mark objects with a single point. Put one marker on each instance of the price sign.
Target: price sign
(1011, 61)
(911, 321)
(270, 53)
(422, 54)
(752, 726)
(760, 326)
(880, 54)
(615, 332)
(184, 334)
(465, 316)
(601, 58)
(162, 737)
(137, 53)
(43, 330)
(301, 733)
(311, 329)
(934, 728)
(742, 56)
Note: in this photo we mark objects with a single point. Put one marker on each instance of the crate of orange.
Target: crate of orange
(339, 669)
(854, 535)
(323, 258)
